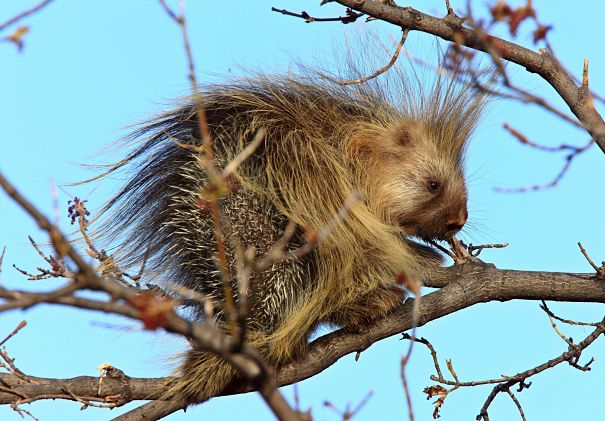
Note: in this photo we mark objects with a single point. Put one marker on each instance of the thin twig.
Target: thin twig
(37, 248)
(206, 159)
(57, 266)
(21, 411)
(278, 251)
(517, 378)
(553, 183)
(555, 327)
(381, 70)
(526, 141)
(245, 153)
(426, 343)
(572, 355)
(584, 86)
(566, 321)
(574, 152)
(600, 270)
(443, 250)
(406, 389)
(24, 14)
(60, 243)
(361, 404)
(350, 16)
(199, 108)
(9, 365)
(1, 260)
(20, 326)
(517, 403)
(348, 414)
(169, 11)
(483, 415)
(476, 250)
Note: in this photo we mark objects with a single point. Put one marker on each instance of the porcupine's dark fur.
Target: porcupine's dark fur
(400, 147)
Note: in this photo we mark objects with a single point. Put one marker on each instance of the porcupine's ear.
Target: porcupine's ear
(401, 134)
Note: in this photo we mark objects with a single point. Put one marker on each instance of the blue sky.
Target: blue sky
(91, 68)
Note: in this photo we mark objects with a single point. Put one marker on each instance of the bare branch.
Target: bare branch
(278, 252)
(476, 250)
(206, 336)
(348, 413)
(245, 153)
(170, 12)
(542, 63)
(350, 16)
(406, 389)
(60, 243)
(1, 260)
(517, 404)
(554, 325)
(462, 286)
(600, 270)
(574, 152)
(544, 307)
(24, 14)
(206, 159)
(426, 343)
(381, 70)
(20, 326)
(504, 383)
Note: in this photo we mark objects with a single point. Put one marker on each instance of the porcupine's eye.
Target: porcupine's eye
(433, 186)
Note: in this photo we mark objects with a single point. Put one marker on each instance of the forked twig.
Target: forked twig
(599, 270)
(350, 16)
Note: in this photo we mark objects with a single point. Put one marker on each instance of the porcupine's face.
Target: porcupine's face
(422, 184)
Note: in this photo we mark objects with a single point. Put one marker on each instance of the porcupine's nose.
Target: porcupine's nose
(456, 222)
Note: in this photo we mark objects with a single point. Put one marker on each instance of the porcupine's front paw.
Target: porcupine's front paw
(427, 253)
(373, 306)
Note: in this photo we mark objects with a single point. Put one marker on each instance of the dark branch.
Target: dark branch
(542, 63)
(24, 14)
(350, 16)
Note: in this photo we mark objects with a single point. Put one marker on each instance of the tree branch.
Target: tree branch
(461, 287)
(204, 336)
(542, 63)
(23, 15)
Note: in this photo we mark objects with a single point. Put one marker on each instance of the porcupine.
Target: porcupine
(400, 144)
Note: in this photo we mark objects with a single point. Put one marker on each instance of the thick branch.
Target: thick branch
(461, 287)
(542, 63)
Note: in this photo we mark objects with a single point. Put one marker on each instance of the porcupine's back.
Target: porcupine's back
(160, 209)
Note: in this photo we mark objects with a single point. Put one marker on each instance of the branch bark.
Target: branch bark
(542, 63)
(460, 286)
